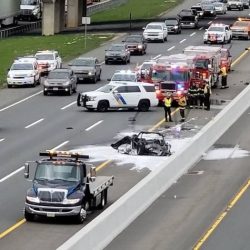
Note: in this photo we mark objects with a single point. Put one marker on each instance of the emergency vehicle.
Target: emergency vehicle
(144, 70)
(128, 95)
(48, 60)
(64, 185)
(226, 58)
(241, 28)
(207, 63)
(218, 33)
(24, 71)
(125, 76)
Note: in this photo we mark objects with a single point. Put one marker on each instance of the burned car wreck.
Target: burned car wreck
(143, 143)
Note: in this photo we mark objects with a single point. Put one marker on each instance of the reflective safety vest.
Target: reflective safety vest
(207, 90)
(182, 102)
(167, 102)
(223, 71)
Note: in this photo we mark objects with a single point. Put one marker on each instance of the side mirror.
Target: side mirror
(26, 170)
(92, 174)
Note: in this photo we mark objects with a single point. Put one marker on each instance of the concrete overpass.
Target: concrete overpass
(53, 20)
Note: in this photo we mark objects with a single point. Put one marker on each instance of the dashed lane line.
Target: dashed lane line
(34, 123)
(193, 34)
(68, 105)
(94, 125)
(171, 48)
(182, 41)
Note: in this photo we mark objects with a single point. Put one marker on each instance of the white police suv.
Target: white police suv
(24, 71)
(120, 95)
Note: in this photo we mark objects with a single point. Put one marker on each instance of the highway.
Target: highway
(31, 122)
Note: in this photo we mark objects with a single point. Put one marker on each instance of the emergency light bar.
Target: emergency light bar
(52, 153)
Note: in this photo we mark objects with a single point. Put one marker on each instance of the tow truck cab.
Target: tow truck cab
(63, 185)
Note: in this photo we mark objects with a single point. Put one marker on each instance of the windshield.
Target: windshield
(45, 57)
(154, 27)
(28, 2)
(124, 77)
(241, 24)
(188, 18)
(208, 7)
(23, 66)
(201, 64)
(171, 22)
(117, 48)
(133, 39)
(161, 76)
(83, 62)
(107, 88)
(58, 75)
(218, 29)
(50, 172)
(179, 76)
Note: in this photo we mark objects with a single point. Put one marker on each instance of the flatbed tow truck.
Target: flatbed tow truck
(63, 185)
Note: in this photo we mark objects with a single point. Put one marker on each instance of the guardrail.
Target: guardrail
(20, 29)
(104, 6)
(104, 228)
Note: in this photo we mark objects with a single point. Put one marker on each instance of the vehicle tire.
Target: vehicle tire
(180, 31)
(83, 213)
(163, 40)
(166, 38)
(224, 41)
(75, 89)
(106, 62)
(10, 86)
(70, 91)
(99, 77)
(140, 150)
(128, 60)
(95, 79)
(45, 92)
(205, 42)
(102, 106)
(248, 37)
(29, 216)
(143, 105)
(229, 40)
(38, 81)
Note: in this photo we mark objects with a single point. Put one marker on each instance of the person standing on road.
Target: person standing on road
(191, 96)
(223, 73)
(182, 104)
(207, 94)
(201, 97)
(167, 107)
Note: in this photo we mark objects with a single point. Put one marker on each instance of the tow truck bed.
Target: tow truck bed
(101, 183)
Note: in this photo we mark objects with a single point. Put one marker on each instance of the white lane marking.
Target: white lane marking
(171, 48)
(23, 100)
(60, 145)
(34, 123)
(11, 174)
(193, 34)
(3, 139)
(200, 28)
(94, 125)
(209, 22)
(183, 40)
(156, 57)
(72, 103)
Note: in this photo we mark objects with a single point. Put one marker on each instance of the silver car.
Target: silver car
(220, 8)
(86, 68)
(60, 80)
(117, 53)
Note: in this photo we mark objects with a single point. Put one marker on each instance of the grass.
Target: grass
(68, 45)
(139, 9)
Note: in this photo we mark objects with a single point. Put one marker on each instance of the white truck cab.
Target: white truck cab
(120, 95)
(24, 71)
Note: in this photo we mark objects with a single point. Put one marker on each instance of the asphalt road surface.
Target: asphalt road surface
(31, 122)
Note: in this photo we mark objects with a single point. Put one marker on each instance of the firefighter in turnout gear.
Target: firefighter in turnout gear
(223, 73)
(207, 94)
(167, 107)
(192, 96)
(182, 104)
(201, 97)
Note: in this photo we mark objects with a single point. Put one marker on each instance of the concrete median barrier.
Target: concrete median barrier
(104, 228)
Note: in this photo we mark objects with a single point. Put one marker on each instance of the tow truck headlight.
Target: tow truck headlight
(33, 199)
(71, 201)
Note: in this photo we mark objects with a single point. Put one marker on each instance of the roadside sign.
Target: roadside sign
(85, 20)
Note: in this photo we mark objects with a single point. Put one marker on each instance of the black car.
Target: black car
(117, 53)
(189, 21)
(209, 10)
(187, 12)
(136, 44)
(174, 25)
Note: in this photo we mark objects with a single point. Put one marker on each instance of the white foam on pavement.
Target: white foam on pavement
(225, 153)
(99, 153)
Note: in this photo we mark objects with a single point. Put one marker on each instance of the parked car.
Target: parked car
(86, 68)
(220, 8)
(60, 80)
(173, 25)
(156, 31)
(136, 44)
(117, 53)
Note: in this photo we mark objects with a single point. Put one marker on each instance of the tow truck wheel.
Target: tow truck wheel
(28, 216)
(103, 199)
(83, 213)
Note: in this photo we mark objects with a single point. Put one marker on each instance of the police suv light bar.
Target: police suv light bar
(52, 153)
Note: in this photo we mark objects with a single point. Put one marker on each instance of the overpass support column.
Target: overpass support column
(53, 16)
(74, 15)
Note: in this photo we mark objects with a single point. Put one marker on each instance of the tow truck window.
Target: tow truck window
(50, 172)
(201, 64)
